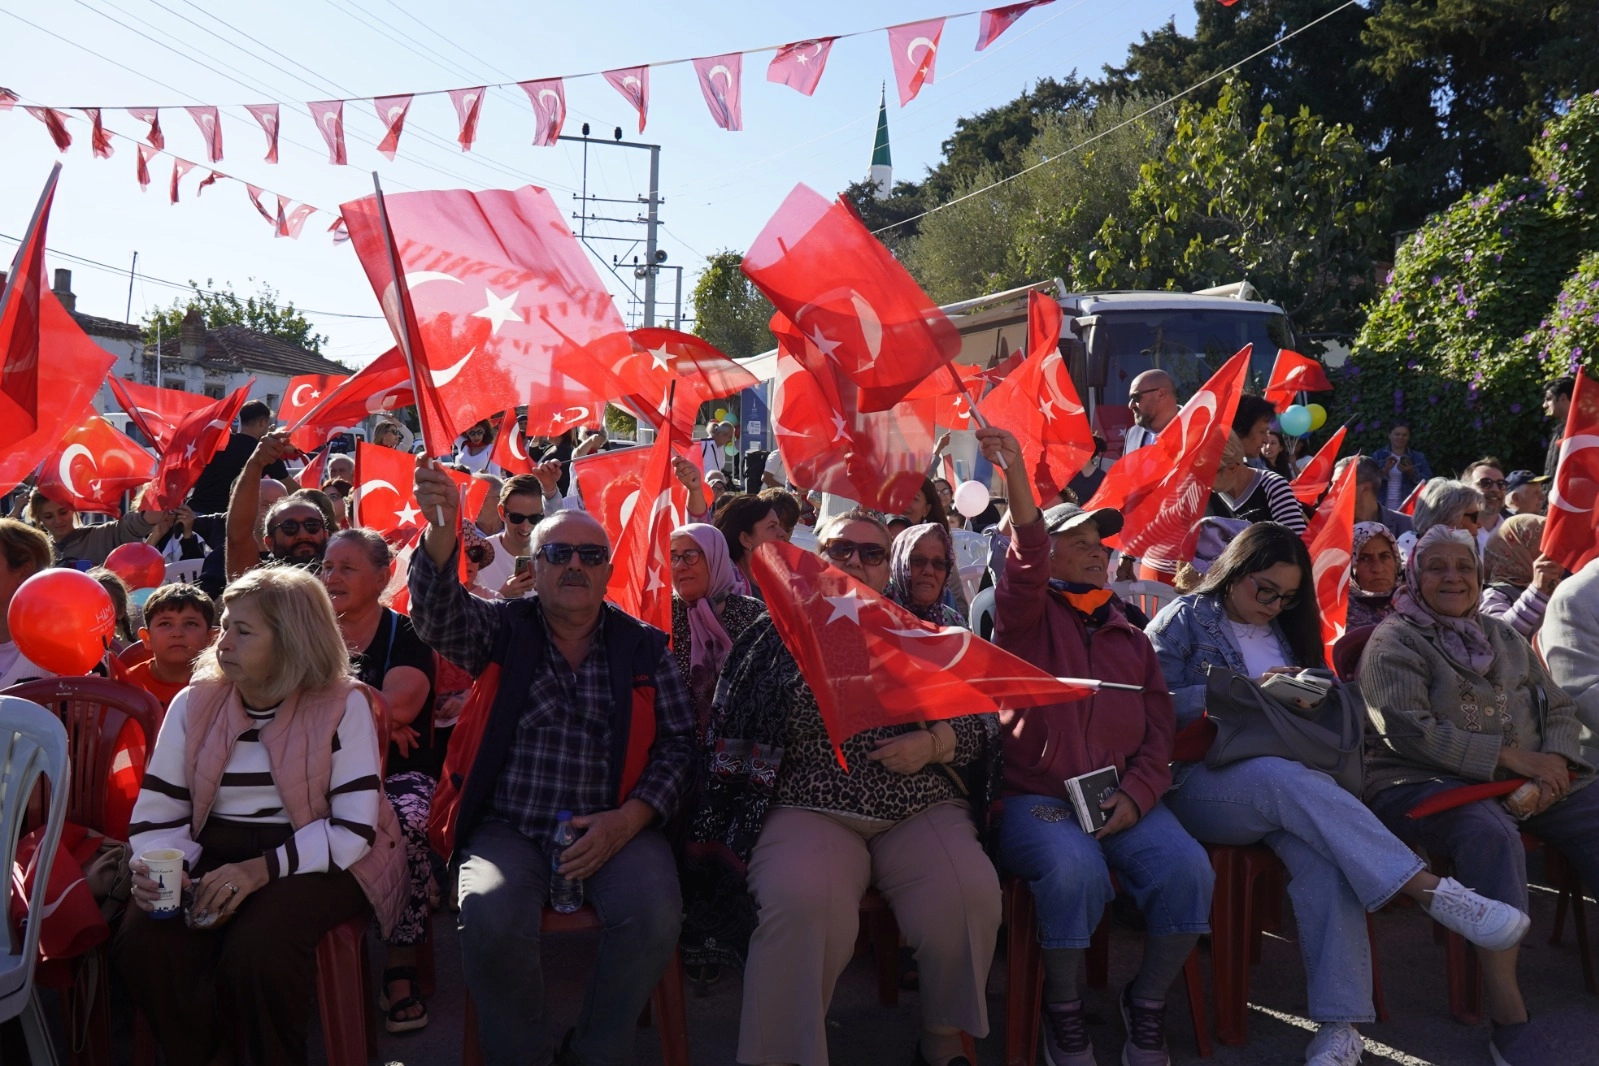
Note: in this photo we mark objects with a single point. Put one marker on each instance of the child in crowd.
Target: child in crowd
(179, 622)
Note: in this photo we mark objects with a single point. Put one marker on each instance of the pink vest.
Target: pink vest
(299, 745)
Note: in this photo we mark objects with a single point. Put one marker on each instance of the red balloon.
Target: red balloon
(138, 564)
(62, 620)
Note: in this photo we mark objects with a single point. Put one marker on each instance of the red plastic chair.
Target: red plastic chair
(135, 653)
(1569, 884)
(1346, 652)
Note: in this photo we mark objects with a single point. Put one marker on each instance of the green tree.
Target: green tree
(997, 138)
(261, 312)
(729, 312)
(900, 209)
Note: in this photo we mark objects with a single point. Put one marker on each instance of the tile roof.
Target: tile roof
(238, 348)
(107, 327)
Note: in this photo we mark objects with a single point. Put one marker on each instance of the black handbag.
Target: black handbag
(1329, 737)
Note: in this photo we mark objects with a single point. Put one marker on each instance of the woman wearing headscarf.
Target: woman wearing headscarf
(707, 615)
(919, 566)
(1374, 574)
(1459, 698)
(1520, 578)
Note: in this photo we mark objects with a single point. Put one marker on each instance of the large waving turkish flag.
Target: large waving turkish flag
(21, 321)
(1569, 535)
(385, 484)
(156, 411)
(94, 465)
(1332, 542)
(382, 385)
(198, 437)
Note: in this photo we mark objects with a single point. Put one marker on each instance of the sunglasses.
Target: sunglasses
(1268, 596)
(841, 551)
(1472, 515)
(1490, 483)
(689, 557)
(937, 563)
(1138, 397)
(516, 518)
(557, 554)
(292, 526)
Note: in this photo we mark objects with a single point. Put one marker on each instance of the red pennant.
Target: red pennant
(55, 122)
(99, 139)
(209, 179)
(381, 386)
(391, 112)
(152, 117)
(510, 447)
(1409, 506)
(634, 85)
(254, 193)
(93, 465)
(141, 166)
(1331, 540)
(291, 224)
(1294, 373)
(914, 48)
(156, 411)
(23, 342)
(720, 83)
(799, 65)
(662, 359)
(872, 663)
(339, 231)
(267, 116)
(996, 20)
(210, 123)
(8, 99)
(468, 105)
(549, 108)
(197, 439)
(1311, 482)
(180, 167)
(329, 116)
(1569, 536)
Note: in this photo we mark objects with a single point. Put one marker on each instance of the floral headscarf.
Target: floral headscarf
(1463, 638)
(1365, 533)
(1513, 548)
(899, 574)
(709, 639)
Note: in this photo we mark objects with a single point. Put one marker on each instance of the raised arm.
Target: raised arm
(449, 619)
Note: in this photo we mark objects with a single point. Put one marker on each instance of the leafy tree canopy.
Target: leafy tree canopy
(729, 312)
(261, 312)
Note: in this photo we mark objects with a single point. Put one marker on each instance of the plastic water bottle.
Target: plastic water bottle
(566, 894)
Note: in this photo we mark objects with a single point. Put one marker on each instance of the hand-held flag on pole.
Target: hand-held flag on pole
(1569, 535)
(1294, 373)
(21, 322)
(1331, 541)
(1311, 482)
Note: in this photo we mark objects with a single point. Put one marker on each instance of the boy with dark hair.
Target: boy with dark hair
(179, 621)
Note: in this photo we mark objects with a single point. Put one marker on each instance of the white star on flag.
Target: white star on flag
(662, 357)
(655, 580)
(838, 427)
(824, 344)
(501, 309)
(845, 606)
(188, 451)
(407, 514)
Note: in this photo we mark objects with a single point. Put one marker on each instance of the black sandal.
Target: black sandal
(395, 1020)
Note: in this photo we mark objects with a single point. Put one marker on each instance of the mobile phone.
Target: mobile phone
(524, 563)
(1307, 687)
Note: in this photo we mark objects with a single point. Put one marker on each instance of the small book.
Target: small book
(1087, 792)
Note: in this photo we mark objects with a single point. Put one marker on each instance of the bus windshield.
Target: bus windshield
(1188, 345)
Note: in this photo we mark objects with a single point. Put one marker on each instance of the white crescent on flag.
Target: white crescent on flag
(1569, 447)
(65, 466)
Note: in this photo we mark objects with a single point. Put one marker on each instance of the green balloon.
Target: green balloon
(730, 449)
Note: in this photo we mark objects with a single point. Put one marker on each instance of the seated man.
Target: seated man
(590, 716)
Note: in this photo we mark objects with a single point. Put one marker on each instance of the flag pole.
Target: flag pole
(971, 405)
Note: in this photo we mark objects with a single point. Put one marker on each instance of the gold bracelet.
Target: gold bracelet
(938, 746)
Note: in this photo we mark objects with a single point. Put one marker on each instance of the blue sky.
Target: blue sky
(719, 187)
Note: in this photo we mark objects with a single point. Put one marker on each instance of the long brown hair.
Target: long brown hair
(1261, 547)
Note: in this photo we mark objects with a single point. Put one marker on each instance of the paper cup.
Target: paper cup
(166, 870)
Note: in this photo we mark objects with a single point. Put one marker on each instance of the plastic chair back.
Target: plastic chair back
(982, 613)
(1147, 596)
(971, 558)
(33, 743)
(1346, 652)
(185, 571)
(135, 653)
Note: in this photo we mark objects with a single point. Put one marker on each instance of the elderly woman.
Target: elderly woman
(1253, 494)
(1461, 699)
(1519, 577)
(1374, 574)
(387, 654)
(265, 776)
(1447, 503)
(1256, 615)
(920, 563)
(707, 615)
(815, 837)
(75, 544)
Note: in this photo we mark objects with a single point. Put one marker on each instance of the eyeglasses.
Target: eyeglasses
(1267, 596)
(557, 554)
(474, 432)
(841, 551)
(292, 526)
(1493, 483)
(477, 555)
(936, 563)
(516, 518)
(688, 557)
(1138, 397)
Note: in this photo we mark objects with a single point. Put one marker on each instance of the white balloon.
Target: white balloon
(971, 498)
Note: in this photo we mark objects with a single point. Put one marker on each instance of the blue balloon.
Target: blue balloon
(1295, 421)
(138, 596)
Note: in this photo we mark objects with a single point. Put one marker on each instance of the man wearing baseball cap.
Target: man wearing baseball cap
(1053, 608)
(1526, 492)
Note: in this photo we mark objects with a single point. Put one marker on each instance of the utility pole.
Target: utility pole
(650, 219)
(127, 316)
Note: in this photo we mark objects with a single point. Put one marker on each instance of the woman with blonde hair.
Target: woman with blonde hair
(266, 776)
(74, 543)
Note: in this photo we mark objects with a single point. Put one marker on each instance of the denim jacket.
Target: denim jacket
(1189, 634)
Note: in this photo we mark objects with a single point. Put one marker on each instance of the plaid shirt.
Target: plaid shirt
(560, 757)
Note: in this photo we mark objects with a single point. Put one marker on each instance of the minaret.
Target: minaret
(882, 168)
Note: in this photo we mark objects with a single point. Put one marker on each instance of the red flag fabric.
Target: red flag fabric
(468, 105)
(254, 193)
(55, 122)
(210, 124)
(151, 116)
(1569, 534)
(950, 407)
(391, 112)
(385, 492)
(329, 116)
(1162, 489)
(1332, 543)
(198, 437)
(720, 83)
(141, 167)
(22, 336)
(180, 167)
(612, 482)
(914, 48)
(8, 99)
(290, 224)
(1293, 373)
(1409, 506)
(641, 575)
(1311, 482)
(93, 465)
(799, 65)
(507, 307)
(872, 663)
(99, 139)
(267, 116)
(634, 85)
(1039, 404)
(510, 447)
(209, 179)
(996, 20)
(157, 412)
(300, 397)
(382, 385)
(663, 357)
(860, 309)
(549, 108)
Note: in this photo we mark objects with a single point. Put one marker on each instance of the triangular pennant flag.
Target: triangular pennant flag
(210, 123)
(468, 105)
(8, 99)
(152, 117)
(99, 139)
(329, 116)
(549, 107)
(141, 169)
(292, 225)
(55, 122)
(799, 65)
(209, 179)
(254, 193)
(996, 20)
(914, 49)
(391, 112)
(720, 84)
(180, 167)
(267, 116)
(634, 85)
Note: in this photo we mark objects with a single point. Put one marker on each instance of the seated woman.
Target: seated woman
(920, 564)
(1256, 615)
(1253, 494)
(816, 837)
(1447, 503)
(387, 654)
(1374, 576)
(87, 544)
(1519, 577)
(707, 615)
(1463, 699)
(1052, 608)
(747, 522)
(265, 776)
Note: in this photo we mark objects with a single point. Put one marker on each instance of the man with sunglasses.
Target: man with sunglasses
(587, 713)
(1487, 476)
(296, 530)
(1153, 398)
(523, 504)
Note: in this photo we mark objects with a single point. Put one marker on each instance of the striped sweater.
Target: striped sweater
(1524, 612)
(247, 794)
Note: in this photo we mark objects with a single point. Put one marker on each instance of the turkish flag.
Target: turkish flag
(329, 117)
(720, 84)
(1311, 482)
(1569, 535)
(1409, 506)
(610, 483)
(1293, 373)
(21, 325)
(799, 65)
(1039, 404)
(391, 112)
(641, 574)
(872, 663)
(548, 98)
(99, 139)
(914, 48)
(155, 411)
(94, 465)
(267, 116)
(141, 165)
(663, 358)
(198, 437)
(153, 137)
(55, 122)
(300, 397)
(996, 20)
(385, 484)
(381, 386)
(500, 306)
(510, 447)
(861, 311)
(468, 106)
(634, 85)
(210, 123)
(8, 99)
(951, 407)
(1331, 541)
(1162, 488)
(180, 167)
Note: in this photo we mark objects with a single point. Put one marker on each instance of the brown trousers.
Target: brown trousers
(249, 985)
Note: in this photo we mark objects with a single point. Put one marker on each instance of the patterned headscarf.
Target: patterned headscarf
(710, 641)
(899, 574)
(1365, 533)
(1513, 548)
(1463, 639)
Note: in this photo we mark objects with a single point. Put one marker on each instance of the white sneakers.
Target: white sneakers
(1335, 1044)
(1487, 923)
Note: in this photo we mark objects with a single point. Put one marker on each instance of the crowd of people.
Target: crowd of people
(325, 756)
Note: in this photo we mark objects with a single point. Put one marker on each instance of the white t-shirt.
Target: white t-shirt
(774, 466)
(15, 669)
(500, 569)
(479, 463)
(1262, 650)
(711, 455)
(1395, 497)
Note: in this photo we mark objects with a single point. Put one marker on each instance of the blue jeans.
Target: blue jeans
(505, 880)
(1341, 862)
(1164, 869)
